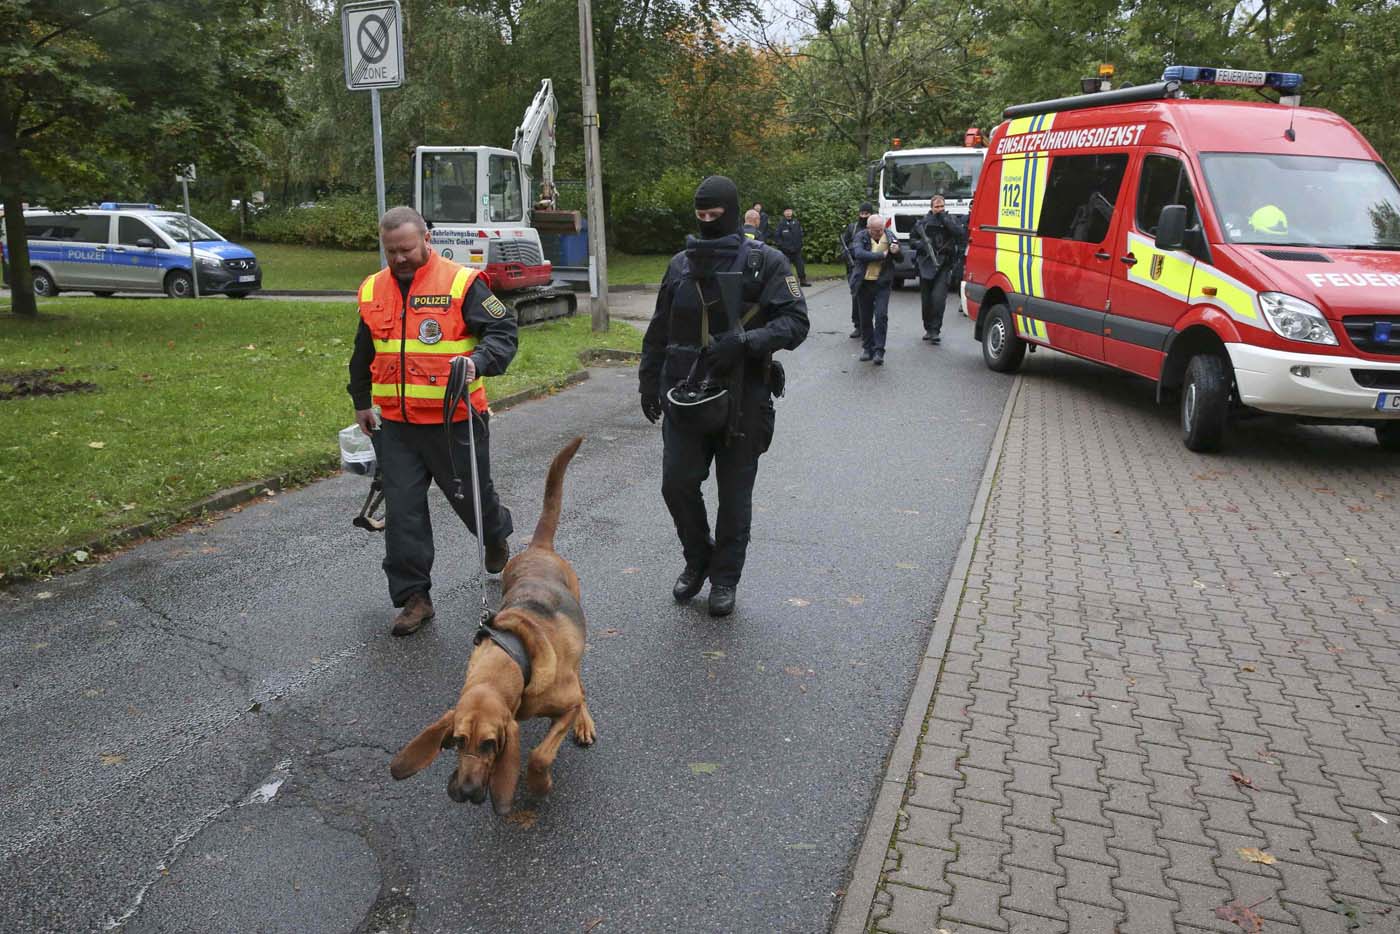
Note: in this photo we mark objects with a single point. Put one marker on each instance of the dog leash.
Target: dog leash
(457, 393)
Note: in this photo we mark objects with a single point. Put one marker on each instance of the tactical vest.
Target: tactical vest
(414, 346)
(697, 316)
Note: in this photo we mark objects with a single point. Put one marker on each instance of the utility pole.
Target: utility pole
(597, 235)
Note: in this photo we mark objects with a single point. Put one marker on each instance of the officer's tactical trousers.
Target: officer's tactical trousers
(685, 465)
(411, 455)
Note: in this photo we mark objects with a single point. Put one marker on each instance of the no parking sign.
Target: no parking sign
(373, 37)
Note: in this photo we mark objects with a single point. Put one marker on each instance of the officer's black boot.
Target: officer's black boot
(688, 584)
(722, 599)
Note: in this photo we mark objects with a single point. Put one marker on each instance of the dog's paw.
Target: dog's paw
(585, 733)
(539, 781)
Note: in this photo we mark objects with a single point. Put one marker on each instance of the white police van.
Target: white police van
(134, 248)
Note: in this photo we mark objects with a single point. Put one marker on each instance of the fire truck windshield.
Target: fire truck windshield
(921, 177)
(1304, 200)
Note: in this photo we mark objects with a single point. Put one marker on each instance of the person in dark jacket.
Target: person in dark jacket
(847, 238)
(938, 240)
(763, 227)
(690, 332)
(788, 238)
(872, 277)
(752, 228)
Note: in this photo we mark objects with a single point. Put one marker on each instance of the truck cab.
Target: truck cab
(476, 202)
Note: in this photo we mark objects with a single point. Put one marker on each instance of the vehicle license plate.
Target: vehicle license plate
(1388, 402)
(246, 278)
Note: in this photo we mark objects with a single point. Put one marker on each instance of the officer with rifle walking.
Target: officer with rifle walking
(726, 304)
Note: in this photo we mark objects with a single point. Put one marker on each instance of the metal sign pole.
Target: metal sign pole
(378, 164)
(189, 232)
(592, 157)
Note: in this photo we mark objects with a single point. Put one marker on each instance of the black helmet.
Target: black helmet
(702, 408)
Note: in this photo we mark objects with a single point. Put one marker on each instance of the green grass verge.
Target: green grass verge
(193, 397)
(309, 267)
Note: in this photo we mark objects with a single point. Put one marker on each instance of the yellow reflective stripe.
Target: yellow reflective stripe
(1230, 294)
(418, 391)
(415, 346)
(1008, 257)
(1174, 278)
(367, 290)
(459, 283)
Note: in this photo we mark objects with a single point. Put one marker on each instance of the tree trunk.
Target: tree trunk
(22, 301)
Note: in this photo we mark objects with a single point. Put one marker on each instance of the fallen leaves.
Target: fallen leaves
(524, 818)
(797, 601)
(854, 600)
(610, 633)
(630, 570)
(715, 653)
(1242, 916)
(111, 758)
(704, 768)
(1244, 781)
(1255, 855)
(591, 924)
(906, 566)
(97, 445)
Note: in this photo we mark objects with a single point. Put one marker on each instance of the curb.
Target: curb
(248, 492)
(306, 293)
(869, 864)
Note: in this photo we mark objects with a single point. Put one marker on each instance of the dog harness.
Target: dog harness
(510, 643)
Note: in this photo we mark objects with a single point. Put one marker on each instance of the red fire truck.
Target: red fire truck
(1237, 253)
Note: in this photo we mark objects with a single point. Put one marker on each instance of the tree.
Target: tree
(107, 96)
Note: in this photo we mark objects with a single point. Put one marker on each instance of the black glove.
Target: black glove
(726, 352)
(651, 408)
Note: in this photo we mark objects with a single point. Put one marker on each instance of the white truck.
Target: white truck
(901, 184)
(484, 212)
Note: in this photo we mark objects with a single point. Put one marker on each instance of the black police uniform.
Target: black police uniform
(411, 455)
(670, 349)
(848, 237)
(788, 238)
(937, 240)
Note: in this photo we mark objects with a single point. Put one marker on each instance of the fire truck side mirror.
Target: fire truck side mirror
(1171, 227)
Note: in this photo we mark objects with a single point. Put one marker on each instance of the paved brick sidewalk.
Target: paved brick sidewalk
(1161, 659)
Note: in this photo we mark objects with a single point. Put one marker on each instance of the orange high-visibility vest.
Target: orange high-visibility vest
(414, 346)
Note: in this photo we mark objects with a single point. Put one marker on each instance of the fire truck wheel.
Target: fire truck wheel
(1388, 436)
(1205, 402)
(1002, 350)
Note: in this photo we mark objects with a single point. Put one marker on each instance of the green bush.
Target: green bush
(656, 217)
(825, 205)
(348, 222)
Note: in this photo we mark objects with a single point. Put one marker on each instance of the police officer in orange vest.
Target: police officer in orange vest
(415, 317)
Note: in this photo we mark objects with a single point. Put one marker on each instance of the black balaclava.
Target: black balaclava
(717, 191)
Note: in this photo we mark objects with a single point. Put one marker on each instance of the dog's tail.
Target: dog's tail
(553, 496)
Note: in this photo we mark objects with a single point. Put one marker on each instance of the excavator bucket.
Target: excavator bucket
(556, 222)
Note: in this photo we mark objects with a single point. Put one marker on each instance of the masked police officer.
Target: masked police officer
(690, 340)
(415, 316)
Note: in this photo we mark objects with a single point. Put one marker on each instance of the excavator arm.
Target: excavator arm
(536, 130)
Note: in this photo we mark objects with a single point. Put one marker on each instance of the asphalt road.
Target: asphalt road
(196, 734)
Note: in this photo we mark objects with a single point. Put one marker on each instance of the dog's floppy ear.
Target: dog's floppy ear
(422, 749)
(543, 661)
(507, 771)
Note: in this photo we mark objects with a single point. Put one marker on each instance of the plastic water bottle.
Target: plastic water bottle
(356, 451)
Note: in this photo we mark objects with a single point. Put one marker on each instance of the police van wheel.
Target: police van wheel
(44, 286)
(1388, 436)
(1205, 403)
(179, 285)
(1002, 350)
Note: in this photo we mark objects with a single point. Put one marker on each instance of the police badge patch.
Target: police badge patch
(430, 332)
(495, 307)
(793, 287)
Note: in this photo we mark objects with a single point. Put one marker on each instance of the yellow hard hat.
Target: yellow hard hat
(1269, 219)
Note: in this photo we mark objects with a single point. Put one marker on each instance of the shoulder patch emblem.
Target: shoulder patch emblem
(495, 307)
(793, 287)
(429, 331)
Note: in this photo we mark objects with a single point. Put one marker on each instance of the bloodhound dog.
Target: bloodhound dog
(525, 665)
